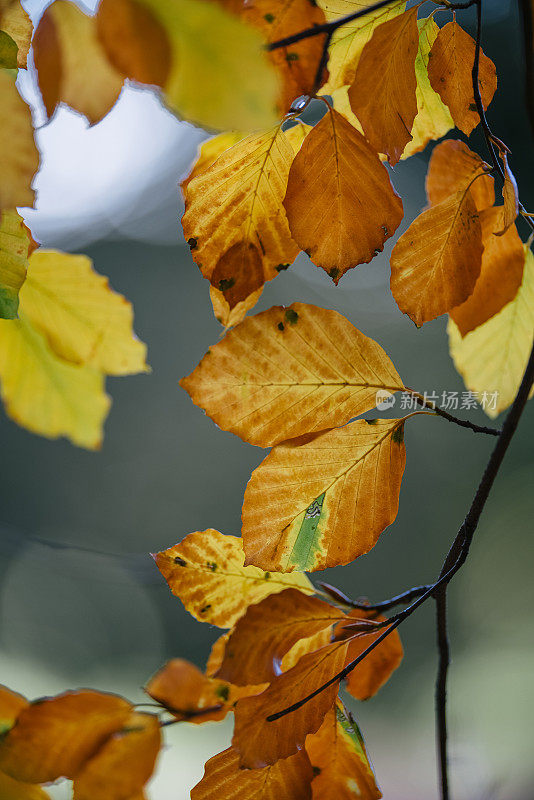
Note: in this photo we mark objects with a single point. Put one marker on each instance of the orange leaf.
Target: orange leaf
(11, 704)
(54, 737)
(122, 766)
(208, 152)
(453, 168)
(223, 779)
(436, 263)
(225, 314)
(261, 742)
(383, 95)
(324, 500)
(340, 762)
(340, 203)
(290, 371)
(15, 790)
(268, 630)
(449, 69)
(510, 196)
(503, 260)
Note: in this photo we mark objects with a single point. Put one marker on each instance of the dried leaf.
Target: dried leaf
(122, 766)
(71, 64)
(449, 69)
(510, 196)
(289, 779)
(436, 263)
(54, 737)
(234, 221)
(209, 151)
(340, 203)
(500, 276)
(286, 372)
(493, 358)
(304, 646)
(324, 501)
(19, 157)
(230, 317)
(15, 790)
(14, 247)
(453, 168)
(268, 630)
(14, 21)
(383, 95)
(206, 572)
(11, 704)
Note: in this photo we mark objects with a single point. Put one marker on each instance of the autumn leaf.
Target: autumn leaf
(500, 276)
(339, 759)
(55, 737)
(208, 152)
(14, 246)
(71, 64)
(324, 501)
(204, 78)
(289, 779)
(206, 572)
(383, 94)
(46, 394)
(493, 357)
(16, 24)
(19, 157)
(11, 704)
(454, 168)
(449, 70)
(125, 762)
(290, 371)
(83, 320)
(234, 221)
(436, 263)
(261, 742)
(15, 790)
(268, 630)
(510, 196)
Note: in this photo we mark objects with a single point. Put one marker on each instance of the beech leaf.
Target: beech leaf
(453, 168)
(19, 157)
(15, 243)
(16, 23)
(510, 196)
(15, 790)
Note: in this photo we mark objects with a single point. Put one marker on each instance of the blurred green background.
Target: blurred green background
(81, 602)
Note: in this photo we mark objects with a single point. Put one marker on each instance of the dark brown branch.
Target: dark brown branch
(384, 605)
(463, 423)
(441, 690)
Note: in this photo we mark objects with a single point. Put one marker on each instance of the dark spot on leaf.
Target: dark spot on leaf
(377, 251)
(281, 267)
(211, 565)
(291, 316)
(316, 771)
(292, 57)
(334, 272)
(204, 609)
(280, 326)
(267, 576)
(225, 284)
(308, 253)
(180, 561)
(472, 106)
(223, 692)
(398, 435)
(371, 421)
(268, 18)
(192, 242)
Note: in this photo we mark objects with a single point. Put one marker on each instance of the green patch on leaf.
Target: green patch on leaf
(291, 316)
(398, 435)
(308, 539)
(8, 51)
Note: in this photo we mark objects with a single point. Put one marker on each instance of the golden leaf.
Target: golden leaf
(15, 790)
(19, 157)
(208, 152)
(510, 196)
(14, 21)
(453, 168)
(14, 247)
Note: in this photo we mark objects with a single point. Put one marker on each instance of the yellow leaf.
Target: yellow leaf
(340, 203)
(349, 40)
(45, 394)
(14, 247)
(71, 64)
(209, 151)
(433, 118)
(230, 317)
(19, 158)
(82, 318)
(321, 501)
(493, 357)
(15, 790)
(206, 572)
(234, 220)
(290, 371)
(15, 21)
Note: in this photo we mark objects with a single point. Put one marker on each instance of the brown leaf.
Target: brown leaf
(230, 317)
(268, 630)
(500, 277)
(324, 500)
(15, 790)
(15, 21)
(54, 737)
(436, 263)
(19, 157)
(449, 69)
(340, 203)
(260, 742)
(453, 168)
(383, 95)
(11, 704)
(290, 371)
(122, 766)
(510, 196)
(223, 779)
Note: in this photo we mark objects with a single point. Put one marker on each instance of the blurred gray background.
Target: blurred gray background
(81, 602)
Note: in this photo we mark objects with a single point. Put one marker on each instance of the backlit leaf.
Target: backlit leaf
(268, 630)
(304, 646)
(227, 316)
(122, 766)
(449, 69)
(223, 779)
(326, 501)
(436, 263)
(206, 572)
(383, 94)
(290, 371)
(14, 247)
(234, 221)
(83, 319)
(11, 704)
(71, 64)
(54, 737)
(209, 151)
(340, 203)
(500, 276)
(453, 168)
(493, 357)
(15, 22)
(15, 790)
(46, 394)
(340, 762)
(510, 196)
(19, 158)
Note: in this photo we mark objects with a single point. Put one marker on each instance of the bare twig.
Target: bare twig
(441, 690)
(440, 412)
(384, 605)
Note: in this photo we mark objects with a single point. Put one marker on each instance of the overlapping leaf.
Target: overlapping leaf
(286, 372)
(453, 168)
(19, 158)
(206, 572)
(208, 152)
(510, 195)
(14, 247)
(15, 790)
(16, 25)
(324, 500)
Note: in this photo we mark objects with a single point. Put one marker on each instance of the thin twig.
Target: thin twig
(441, 690)
(384, 605)
(463, 423)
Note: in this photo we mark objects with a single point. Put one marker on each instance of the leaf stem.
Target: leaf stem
(440, 412)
